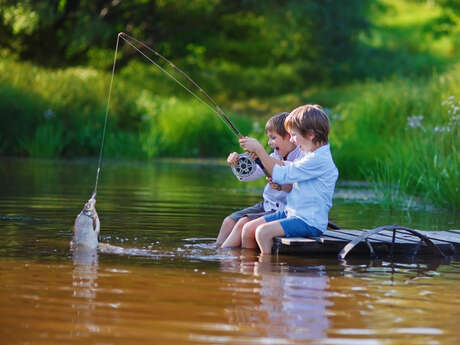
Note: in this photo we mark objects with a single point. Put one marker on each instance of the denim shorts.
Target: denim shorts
(293, 226)
(251, 212)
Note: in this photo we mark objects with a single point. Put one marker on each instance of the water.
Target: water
(169, 285)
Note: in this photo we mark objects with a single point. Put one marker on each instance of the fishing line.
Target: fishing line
(106, 116)
(216, 109)
(245, 166)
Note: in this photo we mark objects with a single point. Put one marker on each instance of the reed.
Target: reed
(403, 136)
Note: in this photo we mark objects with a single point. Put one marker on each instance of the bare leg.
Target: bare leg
(264, 236)
(225, 229)
(234, 239)
(248, 235)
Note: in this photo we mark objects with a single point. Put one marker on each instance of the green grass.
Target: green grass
(370, 135)
(373, 138)
(61, 113)
(48, 141)
(405, 72)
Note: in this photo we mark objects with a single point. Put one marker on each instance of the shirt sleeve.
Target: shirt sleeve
(307, 168)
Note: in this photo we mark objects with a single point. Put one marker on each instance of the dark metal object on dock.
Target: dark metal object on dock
(382, 242)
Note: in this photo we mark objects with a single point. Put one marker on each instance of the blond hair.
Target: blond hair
(309, 118)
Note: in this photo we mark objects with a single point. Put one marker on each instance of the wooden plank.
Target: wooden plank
(296, 240)
(382, 238)
(441, 236)
(444, 236)
(339, 235)
(400, 234)
(333, 241)
(409, 237)
(446, 247)
(351, 233)
(314, 248)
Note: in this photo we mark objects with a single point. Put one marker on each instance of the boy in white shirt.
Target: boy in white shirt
(313, 179)
(274, 196)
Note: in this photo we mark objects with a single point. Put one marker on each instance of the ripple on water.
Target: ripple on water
(167, 283)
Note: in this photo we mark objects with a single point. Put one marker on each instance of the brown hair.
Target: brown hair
(276, 124)
(309, 117)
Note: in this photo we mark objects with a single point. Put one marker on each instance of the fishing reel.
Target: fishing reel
(245, 167)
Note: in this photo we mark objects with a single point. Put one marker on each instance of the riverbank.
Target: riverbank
(401, 134)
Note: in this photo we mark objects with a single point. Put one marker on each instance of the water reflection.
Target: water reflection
(84, 282)
(289, 304)
(169, 285)
(85, 264)
(301, 300)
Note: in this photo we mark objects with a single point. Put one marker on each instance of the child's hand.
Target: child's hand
(252, 155)
(232, 158)
(250, 144)
(272, 184)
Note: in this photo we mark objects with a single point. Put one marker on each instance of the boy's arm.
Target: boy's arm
(285, 187)
(252, 145)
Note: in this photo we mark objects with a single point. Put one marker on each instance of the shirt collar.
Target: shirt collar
(322, 148)
(294, 153)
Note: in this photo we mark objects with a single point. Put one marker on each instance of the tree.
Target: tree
(319, 36)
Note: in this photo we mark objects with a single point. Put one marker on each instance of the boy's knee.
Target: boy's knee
(259, 234)
(246, 226)
(228, 221)
(241, 222)
(246, 232)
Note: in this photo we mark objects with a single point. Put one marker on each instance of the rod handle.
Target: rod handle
(259, 163)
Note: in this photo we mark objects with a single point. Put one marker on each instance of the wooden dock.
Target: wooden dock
(381, 242)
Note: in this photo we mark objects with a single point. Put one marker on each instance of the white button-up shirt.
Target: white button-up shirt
(313, 179)
(274, 200)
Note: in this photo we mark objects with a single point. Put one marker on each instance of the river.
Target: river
(171, 286)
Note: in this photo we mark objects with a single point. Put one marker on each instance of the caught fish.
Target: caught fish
(87, 226)
(85, 243)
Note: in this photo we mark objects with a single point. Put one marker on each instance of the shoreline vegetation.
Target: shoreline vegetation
(398, 132)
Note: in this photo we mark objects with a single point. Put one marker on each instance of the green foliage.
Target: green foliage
(122, 144)
(19, 116)
(403, 135)
(177, 128)
(375, 64)
(48, 141)
(420, 167)
(141, 124)
(202, 33)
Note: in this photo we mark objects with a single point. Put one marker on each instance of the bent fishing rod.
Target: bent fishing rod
(245, 166)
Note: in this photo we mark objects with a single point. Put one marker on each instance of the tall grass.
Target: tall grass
(61, 113)
(49, 113)
(48, 141)
(178, 128)
(403, 136)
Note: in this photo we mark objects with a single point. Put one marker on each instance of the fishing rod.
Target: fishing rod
(246, 166)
